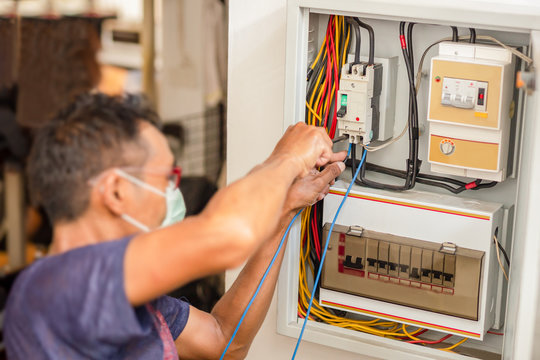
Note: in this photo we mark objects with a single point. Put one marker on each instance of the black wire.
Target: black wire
(506, 258)
(413, 163)
(455, 36)
(358, 41)
(371, 59)
(340, 138)
(426, 179)
(409, 43)
(473, 35)
(413, 106)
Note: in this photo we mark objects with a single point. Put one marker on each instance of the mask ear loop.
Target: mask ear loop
(139, 182)
(144, 185)
(135, 223)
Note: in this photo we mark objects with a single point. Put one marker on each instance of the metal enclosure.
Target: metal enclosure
(519, 193)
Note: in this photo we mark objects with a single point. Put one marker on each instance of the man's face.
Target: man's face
(146, 206)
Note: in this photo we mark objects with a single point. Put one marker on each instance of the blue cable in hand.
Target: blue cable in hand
(326, 248)
(260, 285)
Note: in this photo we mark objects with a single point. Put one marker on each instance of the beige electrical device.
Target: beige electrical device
(471, 87)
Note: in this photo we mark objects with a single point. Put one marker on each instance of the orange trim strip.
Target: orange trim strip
(416, 322)
(474, 141)
(401, 203)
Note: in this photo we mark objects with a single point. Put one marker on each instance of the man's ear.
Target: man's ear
(113, 191)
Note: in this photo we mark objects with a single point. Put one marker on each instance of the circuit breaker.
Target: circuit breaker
(387, 263)
(358, 100)
(471, 88)
(442, 278)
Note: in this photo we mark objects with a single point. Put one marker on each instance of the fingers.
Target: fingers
(339, 156)
(331, 157)
(331, 172)
(310, 144)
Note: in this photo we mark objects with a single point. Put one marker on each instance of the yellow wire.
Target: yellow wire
(455, 345)
(347, 39)
(315, 91)
(407, 334)
(499, 257)
(313, 112)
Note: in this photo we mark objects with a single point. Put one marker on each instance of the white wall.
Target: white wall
(255, 118)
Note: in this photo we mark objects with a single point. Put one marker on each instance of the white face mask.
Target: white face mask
(176, 207)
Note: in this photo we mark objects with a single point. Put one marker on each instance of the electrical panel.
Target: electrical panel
(387, 263)
(414, 242)
(470, 108)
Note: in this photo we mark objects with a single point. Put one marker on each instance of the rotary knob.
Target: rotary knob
(447, 147)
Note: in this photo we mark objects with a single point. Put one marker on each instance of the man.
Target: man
(101, 170)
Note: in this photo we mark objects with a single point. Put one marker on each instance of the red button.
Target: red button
(357, 119)
(480, 96)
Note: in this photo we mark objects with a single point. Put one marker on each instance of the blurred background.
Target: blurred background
(173, 51)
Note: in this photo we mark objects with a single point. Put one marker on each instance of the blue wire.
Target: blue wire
(260, 285)
(326, 248)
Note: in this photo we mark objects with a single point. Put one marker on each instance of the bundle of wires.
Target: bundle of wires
(413, 163)
(324, 74)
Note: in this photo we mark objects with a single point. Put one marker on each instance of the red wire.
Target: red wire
(317, 243)
(421, 332)
(336, 81)
(495, 333)
(329, 47)
(430, 342)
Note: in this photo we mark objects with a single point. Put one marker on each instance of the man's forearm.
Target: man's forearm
(237, 220)
(231, 306)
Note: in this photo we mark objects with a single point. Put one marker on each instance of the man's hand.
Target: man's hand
(314, 186)
(310, 145)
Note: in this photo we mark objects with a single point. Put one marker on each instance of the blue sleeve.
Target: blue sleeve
(175, 312)
(92, 314)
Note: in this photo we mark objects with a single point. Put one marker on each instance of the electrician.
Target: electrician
(102, 171)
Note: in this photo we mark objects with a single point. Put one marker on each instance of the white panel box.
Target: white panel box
(445, 235)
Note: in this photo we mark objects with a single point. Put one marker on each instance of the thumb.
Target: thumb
(332, 171)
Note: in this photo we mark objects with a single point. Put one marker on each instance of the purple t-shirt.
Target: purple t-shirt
(73, 306)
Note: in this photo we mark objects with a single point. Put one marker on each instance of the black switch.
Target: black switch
(415, 274)
(392, 266)
(341, 112)
(355, 265)
(448, 277)
(437, 274)
(481, 96)
(371, 262)
(403, 268)
(425, 272)
(382, 264)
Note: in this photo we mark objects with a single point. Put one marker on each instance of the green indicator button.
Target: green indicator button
(344, 100)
